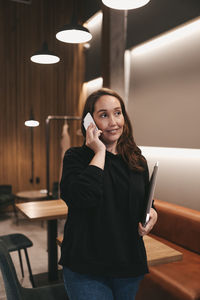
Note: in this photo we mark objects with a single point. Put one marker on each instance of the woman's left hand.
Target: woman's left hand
(152, 221)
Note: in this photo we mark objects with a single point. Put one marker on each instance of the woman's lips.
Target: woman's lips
(112, 131)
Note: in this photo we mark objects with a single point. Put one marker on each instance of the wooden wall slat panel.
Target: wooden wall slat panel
(47, 89)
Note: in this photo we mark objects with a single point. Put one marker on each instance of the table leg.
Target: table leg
(52, 250)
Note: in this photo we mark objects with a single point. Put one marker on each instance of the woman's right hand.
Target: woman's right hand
(92, 139)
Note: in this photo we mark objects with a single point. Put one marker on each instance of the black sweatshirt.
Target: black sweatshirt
(104, 209)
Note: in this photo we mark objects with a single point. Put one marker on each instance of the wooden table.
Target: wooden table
(157, 252)
(49, 210)
(32, 195)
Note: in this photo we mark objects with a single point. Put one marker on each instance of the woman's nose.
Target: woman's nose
(112, 120)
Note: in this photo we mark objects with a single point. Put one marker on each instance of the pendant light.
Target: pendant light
(31, 122)
(125, 4)
(74, 33)
(44, 56)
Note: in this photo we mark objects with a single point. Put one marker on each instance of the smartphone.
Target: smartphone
(87, 120)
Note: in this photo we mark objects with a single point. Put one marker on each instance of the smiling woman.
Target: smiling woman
(104, 184)
(125, 145)
(110, 120)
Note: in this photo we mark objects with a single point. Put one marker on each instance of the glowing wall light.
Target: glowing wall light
(166, 39)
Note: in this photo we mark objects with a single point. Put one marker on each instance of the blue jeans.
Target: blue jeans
(86, 287)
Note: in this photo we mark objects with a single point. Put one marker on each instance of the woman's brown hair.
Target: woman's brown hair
(126, 145)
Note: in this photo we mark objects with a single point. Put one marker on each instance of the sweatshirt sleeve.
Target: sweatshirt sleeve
(81, 183)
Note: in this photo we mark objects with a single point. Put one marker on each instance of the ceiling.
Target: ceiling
(146, 22)
(153, 19)
(157, 17)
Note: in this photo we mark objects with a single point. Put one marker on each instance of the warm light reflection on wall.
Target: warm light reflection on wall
(127, 64)
(92, 85)
(94, 20)
(178, 174)
(166, 39)
(88, 88)
(176, 153)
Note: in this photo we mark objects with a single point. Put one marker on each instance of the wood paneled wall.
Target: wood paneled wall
(46, 89)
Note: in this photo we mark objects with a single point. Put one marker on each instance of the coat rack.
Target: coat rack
(48, 119)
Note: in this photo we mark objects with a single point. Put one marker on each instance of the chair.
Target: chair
(55, 190)
(17, 242)
(7, 198)
(15, 291)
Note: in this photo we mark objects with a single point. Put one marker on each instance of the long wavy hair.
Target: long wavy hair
(126, 145)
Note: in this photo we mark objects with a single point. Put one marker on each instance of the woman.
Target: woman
(104, 183)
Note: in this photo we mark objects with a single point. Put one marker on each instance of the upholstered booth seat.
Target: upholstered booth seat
(179, 228)
(173, 281)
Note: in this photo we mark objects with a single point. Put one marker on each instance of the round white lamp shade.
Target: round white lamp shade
(31, 123)
(45, 56)
(125, 4)
(45, 59)
(74, 34)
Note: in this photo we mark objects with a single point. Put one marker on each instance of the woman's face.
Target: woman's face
(109, 119)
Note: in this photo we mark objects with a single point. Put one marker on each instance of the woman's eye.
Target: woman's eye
(103, 115)
(118, 113)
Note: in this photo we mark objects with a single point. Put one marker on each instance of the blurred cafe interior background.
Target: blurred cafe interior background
(150, 55)
(154, 47)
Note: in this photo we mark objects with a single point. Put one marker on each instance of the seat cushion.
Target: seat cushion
(173, 281)
(16, 241)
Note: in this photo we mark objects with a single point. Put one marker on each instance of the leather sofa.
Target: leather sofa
(178, 227)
